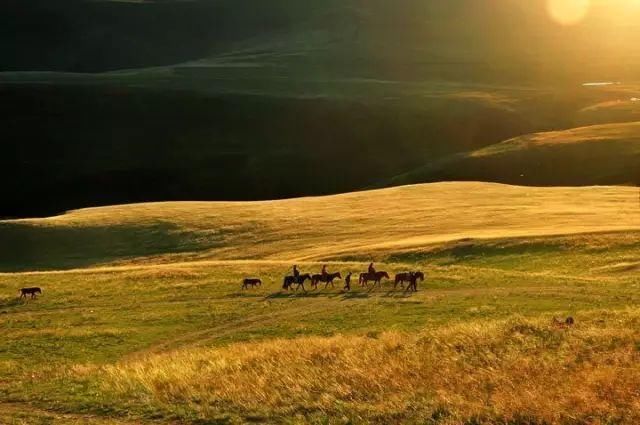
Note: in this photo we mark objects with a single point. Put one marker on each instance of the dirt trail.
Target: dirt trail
(20, 413)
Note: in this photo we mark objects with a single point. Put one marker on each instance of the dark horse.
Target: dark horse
(376, 278)
(414, 277)
(291, 280)
(249, 282)
(401, 278)
(30, 291)
(327, 279)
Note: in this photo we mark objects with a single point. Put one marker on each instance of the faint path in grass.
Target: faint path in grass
(20, 413)
(204, 336)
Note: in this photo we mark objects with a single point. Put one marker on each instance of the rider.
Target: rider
(324, 271)
(296, 272)
(372, 269)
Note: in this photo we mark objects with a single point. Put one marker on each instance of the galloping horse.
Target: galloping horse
(291, 280)
(376, 278)
(251, 283)
(413, 281)
(327, 279)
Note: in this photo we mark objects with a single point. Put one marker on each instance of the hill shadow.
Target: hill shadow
(38, 248)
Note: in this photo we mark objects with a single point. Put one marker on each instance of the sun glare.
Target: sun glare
(568, 12)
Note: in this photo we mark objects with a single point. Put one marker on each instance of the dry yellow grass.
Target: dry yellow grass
(355, 223)
(525, 371)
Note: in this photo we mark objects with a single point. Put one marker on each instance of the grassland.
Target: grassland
(151, 335)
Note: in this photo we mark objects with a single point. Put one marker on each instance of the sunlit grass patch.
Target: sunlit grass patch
(500, 370)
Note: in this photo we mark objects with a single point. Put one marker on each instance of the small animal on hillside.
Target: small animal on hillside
(414, 277)
(251, 282)
(563, 324)
(347, 282)
(30, 291)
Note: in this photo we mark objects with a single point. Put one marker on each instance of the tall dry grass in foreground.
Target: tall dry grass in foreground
(515, 371)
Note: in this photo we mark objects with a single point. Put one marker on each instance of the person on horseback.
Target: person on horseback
(372, 270)
(324, 272)
(296, 272)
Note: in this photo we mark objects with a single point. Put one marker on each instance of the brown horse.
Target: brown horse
(376, 278)
(327, 279)
(250, 282)
(30, 291)
(289, 281)
(414, 277)
(401, 278)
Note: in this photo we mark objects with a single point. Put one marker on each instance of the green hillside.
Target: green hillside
(279, 99)
(594, 155)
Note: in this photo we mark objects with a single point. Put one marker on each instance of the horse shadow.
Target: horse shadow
(11, 302)
(244, 295)
(299, 294)
(341, 294)
(354, 295)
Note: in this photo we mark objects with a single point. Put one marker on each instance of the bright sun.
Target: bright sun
(568, 12)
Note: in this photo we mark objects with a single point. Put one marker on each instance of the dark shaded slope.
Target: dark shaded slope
(94, 36)
(75, 146)
(596, 155)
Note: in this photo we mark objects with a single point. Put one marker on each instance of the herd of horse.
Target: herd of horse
(296, 283)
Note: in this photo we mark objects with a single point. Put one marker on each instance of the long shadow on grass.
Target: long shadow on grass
(39, 248)
(341, 295)
(11, 302)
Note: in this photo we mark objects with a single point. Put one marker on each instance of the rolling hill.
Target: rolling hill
(594, 155)
(278, 99)
(142, 319)
(362, 223)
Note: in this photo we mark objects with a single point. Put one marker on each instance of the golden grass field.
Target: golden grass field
(142, 319)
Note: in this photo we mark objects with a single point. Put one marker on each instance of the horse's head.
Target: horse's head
(385, 274)
(419, 275)
(338, 275)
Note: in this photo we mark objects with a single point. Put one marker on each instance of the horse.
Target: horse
(291, 280)
(30, 291)
(401, 278)
(413, 281)
(376, 277)
(327, 279)
(250, 282)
